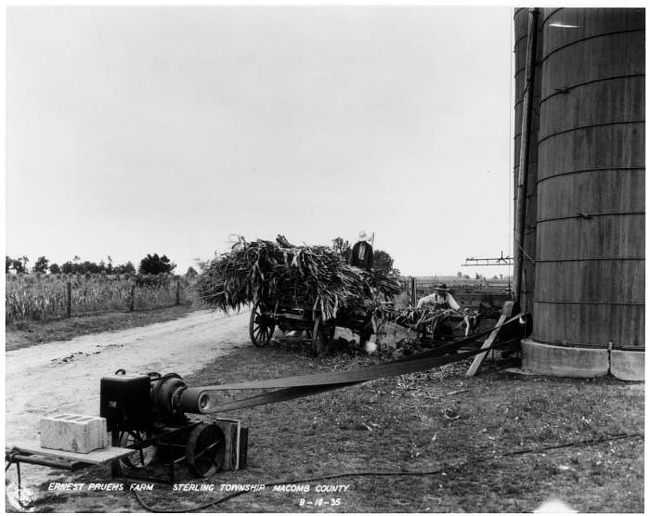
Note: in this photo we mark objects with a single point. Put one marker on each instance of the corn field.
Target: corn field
(52, 296)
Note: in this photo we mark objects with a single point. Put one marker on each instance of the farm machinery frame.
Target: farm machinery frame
(266, 315)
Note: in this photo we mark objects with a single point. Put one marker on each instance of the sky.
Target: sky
(169, 129)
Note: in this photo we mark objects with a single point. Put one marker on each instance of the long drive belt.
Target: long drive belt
(306, 385)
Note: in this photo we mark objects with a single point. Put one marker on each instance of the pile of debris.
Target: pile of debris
(308, 276)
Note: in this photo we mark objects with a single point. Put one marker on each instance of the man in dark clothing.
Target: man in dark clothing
(362, 253)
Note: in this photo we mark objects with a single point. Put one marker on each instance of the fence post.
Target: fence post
(132, 298)
(413, 292)
(69, 299)
(178, 292)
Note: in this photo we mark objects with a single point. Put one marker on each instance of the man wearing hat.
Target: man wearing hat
(441, 298)
(362, 253)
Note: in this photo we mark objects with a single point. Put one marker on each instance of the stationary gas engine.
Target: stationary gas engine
(148, 413)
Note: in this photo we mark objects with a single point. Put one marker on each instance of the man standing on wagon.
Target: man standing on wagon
(362, 253)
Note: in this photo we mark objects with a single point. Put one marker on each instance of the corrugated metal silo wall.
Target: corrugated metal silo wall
(591, 187)
(521, 19)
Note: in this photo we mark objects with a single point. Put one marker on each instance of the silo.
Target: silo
(590, 265)
(526, 237)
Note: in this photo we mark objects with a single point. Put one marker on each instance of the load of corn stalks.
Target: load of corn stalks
(427, 319)
(416, 318)
(313, 277)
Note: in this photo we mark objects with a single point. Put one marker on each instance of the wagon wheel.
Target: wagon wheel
(142, 456)
(205, 450)
(319, 337)
(261, 326)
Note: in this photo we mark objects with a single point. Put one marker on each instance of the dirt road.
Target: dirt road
(64, 377)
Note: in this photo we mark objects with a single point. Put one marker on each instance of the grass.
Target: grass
(27, 333)
(517, 441)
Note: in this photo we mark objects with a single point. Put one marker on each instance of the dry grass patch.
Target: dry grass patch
(427, 442)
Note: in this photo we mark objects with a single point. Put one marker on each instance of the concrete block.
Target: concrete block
(628, 365)
(74, 432)
(564, 361)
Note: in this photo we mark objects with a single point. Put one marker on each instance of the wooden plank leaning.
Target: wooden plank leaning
(506, 313)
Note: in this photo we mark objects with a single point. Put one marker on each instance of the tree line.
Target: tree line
(150, 264)
(153, 264)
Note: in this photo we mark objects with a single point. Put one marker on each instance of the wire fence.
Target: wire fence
(470, 294)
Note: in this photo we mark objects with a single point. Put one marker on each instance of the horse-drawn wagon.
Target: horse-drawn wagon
(296, 288)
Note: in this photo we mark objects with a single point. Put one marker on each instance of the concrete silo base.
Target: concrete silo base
(628, 365)
(582, 362)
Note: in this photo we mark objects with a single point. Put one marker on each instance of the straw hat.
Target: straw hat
(442, 287)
